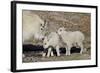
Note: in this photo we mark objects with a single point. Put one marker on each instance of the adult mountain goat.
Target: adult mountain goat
(70, 38)
(33, 26)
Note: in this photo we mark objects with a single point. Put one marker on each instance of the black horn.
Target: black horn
(44, 22)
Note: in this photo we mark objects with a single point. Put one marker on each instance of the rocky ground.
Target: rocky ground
(37, 57)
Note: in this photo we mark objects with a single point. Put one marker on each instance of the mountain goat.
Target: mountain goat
(33, 26)
(70, 38)
(52, 40)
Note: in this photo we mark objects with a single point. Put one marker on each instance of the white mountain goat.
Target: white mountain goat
(70, 38)
(52, 40)
(33, 26)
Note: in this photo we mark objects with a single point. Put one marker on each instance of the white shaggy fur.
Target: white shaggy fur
(51, 40)
(33, 26)
(70, 38)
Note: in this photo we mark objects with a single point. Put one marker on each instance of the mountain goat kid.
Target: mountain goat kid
(52, 40)
(70, 38)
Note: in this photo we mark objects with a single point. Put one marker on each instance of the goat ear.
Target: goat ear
(45, 22)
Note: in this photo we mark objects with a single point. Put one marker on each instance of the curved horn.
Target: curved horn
(44, 22)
